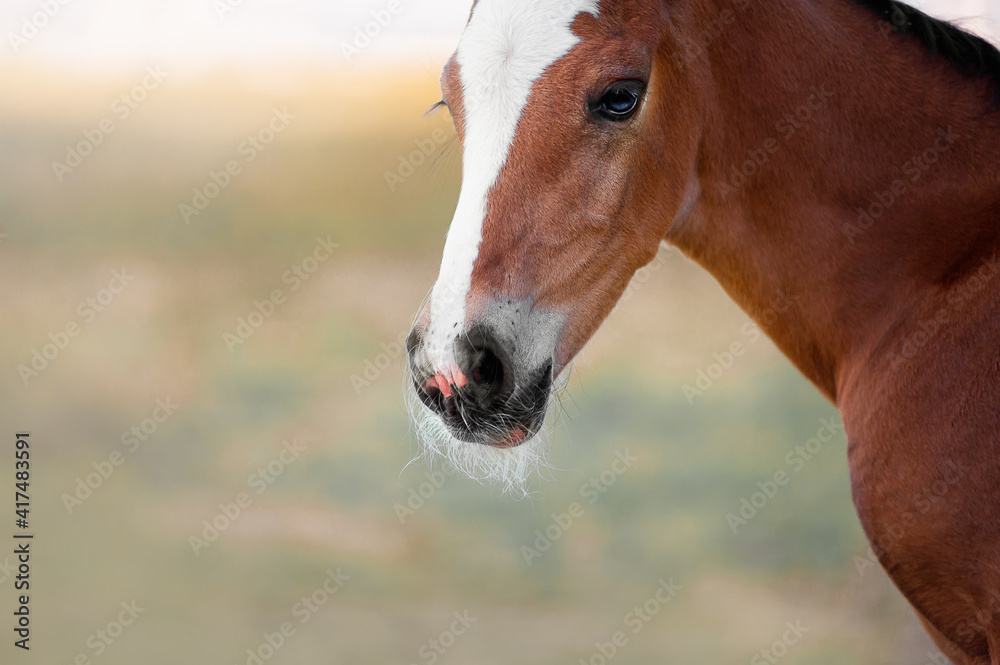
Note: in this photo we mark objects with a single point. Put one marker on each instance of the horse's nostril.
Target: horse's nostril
(471, 391)
(489, 371)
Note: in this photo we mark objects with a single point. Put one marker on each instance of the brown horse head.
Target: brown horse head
(564, 110)
(833, 163)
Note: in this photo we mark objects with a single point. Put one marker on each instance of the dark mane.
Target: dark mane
(973, 56)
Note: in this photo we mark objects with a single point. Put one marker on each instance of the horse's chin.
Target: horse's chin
(511, 462)
(512, 437)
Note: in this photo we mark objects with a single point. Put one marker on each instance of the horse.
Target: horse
(844, 150)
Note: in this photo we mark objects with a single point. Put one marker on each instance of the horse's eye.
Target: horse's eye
(620, 101)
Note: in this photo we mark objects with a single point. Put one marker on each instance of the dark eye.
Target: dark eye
(620, 101)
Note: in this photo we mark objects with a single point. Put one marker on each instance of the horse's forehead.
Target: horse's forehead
(507, 46)
(519, 30)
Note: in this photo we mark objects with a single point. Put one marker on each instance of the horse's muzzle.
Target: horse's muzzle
(482, 394)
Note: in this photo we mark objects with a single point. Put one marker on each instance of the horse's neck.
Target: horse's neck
(844, 170)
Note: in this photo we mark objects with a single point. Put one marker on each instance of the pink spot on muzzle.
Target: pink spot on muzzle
(445, 380)
(515, 439)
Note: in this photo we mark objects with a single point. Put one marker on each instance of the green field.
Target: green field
(323, 368)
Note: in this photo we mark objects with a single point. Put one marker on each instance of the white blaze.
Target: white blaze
(506, 47)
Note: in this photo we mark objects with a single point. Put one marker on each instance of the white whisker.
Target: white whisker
(511, 470)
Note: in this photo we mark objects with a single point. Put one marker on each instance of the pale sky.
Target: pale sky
(192, 34)
(182, 33)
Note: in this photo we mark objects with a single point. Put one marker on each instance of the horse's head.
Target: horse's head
(578, 133)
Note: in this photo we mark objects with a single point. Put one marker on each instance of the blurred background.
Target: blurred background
(217, 220)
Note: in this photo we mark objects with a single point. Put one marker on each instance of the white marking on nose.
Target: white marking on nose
(505, 49)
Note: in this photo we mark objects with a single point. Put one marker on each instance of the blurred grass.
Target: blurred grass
(337, 505)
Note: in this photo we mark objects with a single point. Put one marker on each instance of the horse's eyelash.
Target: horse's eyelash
(441, 104)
